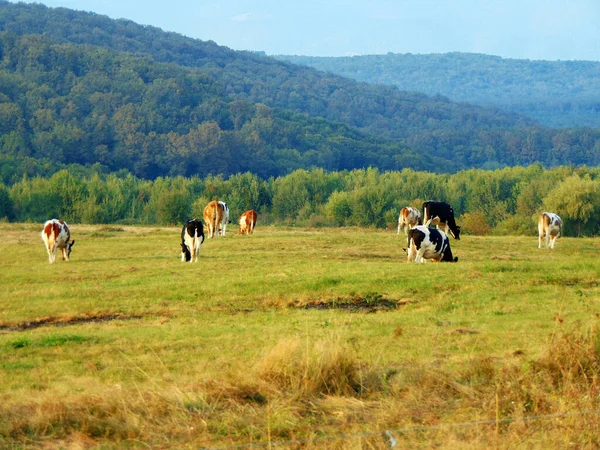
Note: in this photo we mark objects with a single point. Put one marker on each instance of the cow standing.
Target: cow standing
(426, 243)
(248, 222)
(213, 217)
(56, 235)
(445, 213)
(225, 219)
(408, 218)
(192, 236)
(550, 227)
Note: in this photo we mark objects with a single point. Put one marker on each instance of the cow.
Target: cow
(248, 222)
(426, 243)
(225, 220)
(408, 218)
(213, 217)
(550, 227)
(56, 234)
(445, 213)
(192, 235)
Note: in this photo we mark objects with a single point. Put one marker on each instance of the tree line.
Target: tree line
(505, 201)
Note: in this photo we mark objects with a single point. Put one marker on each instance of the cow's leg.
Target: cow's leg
(399, 227)
(547, 239)
(196, 248)
(49, 250)
(64, 254)
(553, 240)
(411, 251)
(53, 259)
(192, 248)
(540, 239)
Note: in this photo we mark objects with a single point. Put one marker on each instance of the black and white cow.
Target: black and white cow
(444, 211)
(426, 243)
(192, 235)
(550, 228)
(56, 235)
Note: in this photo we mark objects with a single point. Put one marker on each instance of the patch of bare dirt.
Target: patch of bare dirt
(61, 321)
(355, 303)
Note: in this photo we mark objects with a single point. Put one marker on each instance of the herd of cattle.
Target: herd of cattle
(424, 242)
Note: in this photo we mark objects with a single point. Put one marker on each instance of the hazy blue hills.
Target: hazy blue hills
(556, 93)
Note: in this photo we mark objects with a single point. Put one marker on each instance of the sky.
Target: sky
(523, 29)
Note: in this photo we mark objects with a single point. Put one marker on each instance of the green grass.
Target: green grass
(127, 346)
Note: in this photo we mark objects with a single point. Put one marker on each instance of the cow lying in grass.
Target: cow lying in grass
(426, 243)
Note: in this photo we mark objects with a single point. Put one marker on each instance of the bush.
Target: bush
(475, 223)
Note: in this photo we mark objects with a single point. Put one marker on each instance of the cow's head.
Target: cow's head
(70, 247)
(455, 232)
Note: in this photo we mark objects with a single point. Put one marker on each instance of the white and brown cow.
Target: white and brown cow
(192, 235)
(426, 243)
(248, 222)
(56, 234)
(445, 213)
(214, 214)
(408, 218)
(550, 228)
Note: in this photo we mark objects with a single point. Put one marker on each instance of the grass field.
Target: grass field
(300, 338)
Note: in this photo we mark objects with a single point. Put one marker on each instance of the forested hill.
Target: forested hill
(82, 88)
(382, 110)
(556, 93)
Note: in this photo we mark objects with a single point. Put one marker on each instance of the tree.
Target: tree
(576, 199)
(6, 204)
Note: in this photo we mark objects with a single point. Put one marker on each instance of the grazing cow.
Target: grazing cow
(213, 217)
(428, 243)
(225, 220)
(192, 235)
(445, 213)
(56, 234)
(408, 218)
(248, 222)
(550, 227)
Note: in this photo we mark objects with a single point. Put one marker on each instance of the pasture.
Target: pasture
(300, 338)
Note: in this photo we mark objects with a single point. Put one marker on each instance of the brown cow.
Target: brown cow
(248, 222)
(213, 217)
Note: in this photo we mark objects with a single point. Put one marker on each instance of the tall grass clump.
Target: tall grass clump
(325, 367)
(572, 360)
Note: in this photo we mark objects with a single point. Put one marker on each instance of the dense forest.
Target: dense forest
(556, 93)
(505, 201)
(80, 88)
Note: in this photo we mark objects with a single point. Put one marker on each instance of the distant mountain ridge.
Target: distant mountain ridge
(83, 88)
(556, 93)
